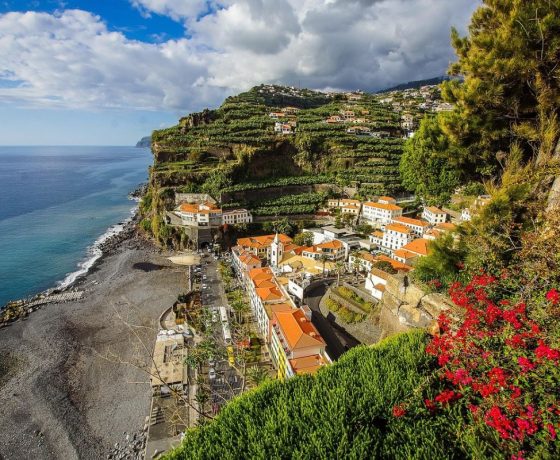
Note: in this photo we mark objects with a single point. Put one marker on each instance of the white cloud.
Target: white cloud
(71, 59)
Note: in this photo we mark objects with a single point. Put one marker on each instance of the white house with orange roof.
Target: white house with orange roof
(296, 346)
(376, 280)
(395, 236)
(386, 200)
(439, 230)
(434, 215)
(411, 251)
(417, 226)
(199, 214)
(376, 238)
(244, 261)
(333, 250)
(380, 213)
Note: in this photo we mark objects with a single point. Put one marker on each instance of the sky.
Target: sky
(107, 72)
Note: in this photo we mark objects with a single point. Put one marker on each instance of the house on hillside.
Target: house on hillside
(380, 213)
(434, 215)
(296, 345)
(283, 128)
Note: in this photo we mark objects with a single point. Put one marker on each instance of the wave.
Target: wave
(94, 252)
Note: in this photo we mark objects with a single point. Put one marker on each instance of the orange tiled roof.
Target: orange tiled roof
(435, 210)
(387, 198)
(395, 263)
(334, 244)
(404, 254)
(298, 330)
(410, 221)
(418, 246)
(387, 207)
(267, 294)
(264, 283)
(307, 364)
(276, 307)
(378, 234)
(260, 273)
(262, 241)
(398, 228)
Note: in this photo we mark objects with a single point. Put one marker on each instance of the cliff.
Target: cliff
(146, 141)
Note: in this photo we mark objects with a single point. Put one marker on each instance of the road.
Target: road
(227, 382)
(338, 341)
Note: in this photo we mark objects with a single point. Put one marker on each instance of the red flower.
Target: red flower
(525, 364)
(515, 392)
(553, 296)
(544, 351)
(399, 411)
(446, 396)
(551, 431)
(430, 405)
(497, 376)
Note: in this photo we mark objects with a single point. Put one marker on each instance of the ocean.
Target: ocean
(56, 205)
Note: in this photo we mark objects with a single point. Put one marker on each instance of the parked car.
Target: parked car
(212, 373)
(214, 316)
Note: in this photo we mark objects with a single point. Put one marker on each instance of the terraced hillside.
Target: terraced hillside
(234, 153)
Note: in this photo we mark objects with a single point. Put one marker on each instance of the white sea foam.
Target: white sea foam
(94, 252)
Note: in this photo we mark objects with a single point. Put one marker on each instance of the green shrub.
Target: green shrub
(344, 411)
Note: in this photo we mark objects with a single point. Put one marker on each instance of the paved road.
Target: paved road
(338, 341)
(227, 382)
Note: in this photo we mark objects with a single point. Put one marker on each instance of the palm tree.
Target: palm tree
(256, 375)
(339, 266)
(323, 258)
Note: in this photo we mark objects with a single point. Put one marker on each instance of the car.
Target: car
(212, 373)
(214, 316)
(211, 363)
(204, 286)
(204, 277)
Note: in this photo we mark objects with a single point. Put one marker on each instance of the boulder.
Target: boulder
(413, 317)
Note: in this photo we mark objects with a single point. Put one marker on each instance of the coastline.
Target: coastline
(72, 383)
(103, 246)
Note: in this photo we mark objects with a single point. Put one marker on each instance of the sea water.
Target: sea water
(56, 205)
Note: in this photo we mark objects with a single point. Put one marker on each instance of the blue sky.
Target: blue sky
(107, 72)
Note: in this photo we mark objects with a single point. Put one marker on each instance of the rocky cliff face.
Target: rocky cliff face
(406, 306)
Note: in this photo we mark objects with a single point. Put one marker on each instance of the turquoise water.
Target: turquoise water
(55, 203)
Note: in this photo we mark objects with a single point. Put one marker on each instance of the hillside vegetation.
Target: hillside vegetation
(345, 411)
(234, 154)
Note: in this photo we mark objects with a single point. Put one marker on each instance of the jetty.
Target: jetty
(19, 309)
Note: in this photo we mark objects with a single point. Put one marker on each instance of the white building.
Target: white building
(376, 281)
(434, 215)
(417, 226)
(237, 216)
(199, 214)
(395, 236)
(380, 213)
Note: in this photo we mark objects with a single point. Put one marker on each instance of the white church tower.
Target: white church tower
(276, 252)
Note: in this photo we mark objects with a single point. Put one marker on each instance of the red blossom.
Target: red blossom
(446, 396)
(430, 405)
(544, 351)
(551, 431)
(399, 410)
(525, 364)
(553, 296)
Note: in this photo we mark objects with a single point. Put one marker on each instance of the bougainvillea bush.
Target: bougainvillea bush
(499, 367)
